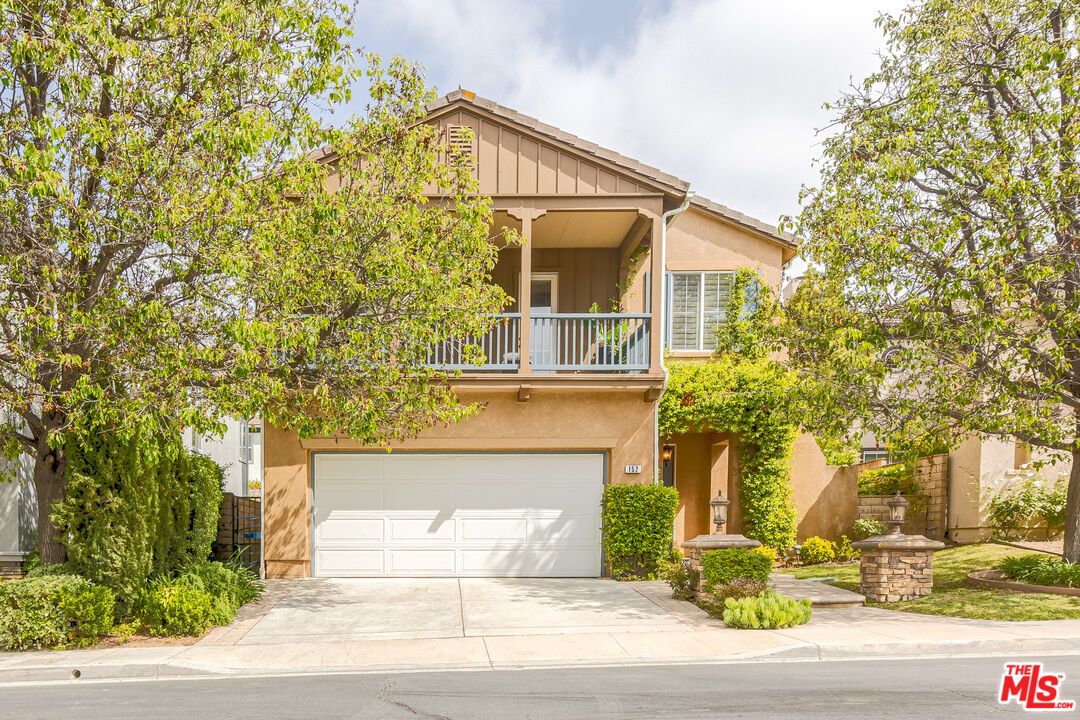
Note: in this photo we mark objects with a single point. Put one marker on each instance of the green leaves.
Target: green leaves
(943, 297)
(172, 244)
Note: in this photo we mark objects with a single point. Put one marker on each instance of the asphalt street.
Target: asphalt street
(951, 688)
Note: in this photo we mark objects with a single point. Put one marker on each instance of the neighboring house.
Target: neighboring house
(569, 407)
(239, 451)
(18, 514)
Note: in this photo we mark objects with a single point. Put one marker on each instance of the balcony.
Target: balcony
(557, 342)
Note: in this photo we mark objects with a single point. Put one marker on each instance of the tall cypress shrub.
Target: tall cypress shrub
(134, 509)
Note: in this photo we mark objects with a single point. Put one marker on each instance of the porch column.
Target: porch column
(656, 293)
(526, 216)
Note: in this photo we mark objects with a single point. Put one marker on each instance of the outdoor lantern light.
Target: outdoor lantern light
(897, 510)
(719, 511)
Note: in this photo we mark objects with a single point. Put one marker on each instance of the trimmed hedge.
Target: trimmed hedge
(639, 523)
(720, 567)
(53, 611)
(136, 509)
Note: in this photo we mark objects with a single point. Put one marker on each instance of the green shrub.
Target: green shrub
(31, 561)
(53, 611)
(720, 567)
(228, 585)
(868, 527)
(136, 509)
(768, 552)
(639, 522)
(844, 551)
(1041, 570)
(1052, 507)
(816, 550)
(1028, 505)
(767, 610)
(682, 578)
(175, 609)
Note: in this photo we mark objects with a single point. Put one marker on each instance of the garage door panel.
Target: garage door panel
(491, 496)
(346, 562)
(573, 530)
(502, 530)
(446, 514)
(350, 495)
(435, 528)
(566, 467)
(414, 496)
(339, 527)
(342, 467)
(567, 563)
(560, 497)
(427, 562)
(417, 467)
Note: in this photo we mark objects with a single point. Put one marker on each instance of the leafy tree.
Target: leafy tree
(945, 298)
(173, 249)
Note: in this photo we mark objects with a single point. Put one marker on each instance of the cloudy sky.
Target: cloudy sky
(725, 94)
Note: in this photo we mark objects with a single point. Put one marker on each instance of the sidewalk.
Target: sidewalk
(832, 633)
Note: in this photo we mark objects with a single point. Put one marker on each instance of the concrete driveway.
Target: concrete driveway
(334, 610)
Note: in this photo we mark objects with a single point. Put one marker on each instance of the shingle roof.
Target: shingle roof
(681, 186)
(736, 217)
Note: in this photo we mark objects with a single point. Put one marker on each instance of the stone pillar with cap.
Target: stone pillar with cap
(717, 540)
(896, 566)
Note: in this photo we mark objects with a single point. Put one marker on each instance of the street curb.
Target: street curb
(808, 652)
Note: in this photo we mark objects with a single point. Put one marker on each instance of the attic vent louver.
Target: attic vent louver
(460, 140)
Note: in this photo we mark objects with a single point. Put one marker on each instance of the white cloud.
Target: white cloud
(724, 94)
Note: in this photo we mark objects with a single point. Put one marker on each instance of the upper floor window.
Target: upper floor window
(697, 304)
(246, 450)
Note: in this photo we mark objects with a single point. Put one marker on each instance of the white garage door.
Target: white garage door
(468, 514)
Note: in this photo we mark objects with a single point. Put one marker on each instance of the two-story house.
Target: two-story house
(619, 261)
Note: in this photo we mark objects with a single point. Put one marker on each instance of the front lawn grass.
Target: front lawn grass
(952, 597)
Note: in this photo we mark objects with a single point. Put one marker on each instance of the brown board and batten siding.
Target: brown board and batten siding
(509, 162)
(586, 275)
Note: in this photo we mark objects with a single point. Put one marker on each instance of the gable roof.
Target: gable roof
(761, 229)
(675, 185)
(457, 99)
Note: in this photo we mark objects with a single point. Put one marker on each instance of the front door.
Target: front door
(544, 299)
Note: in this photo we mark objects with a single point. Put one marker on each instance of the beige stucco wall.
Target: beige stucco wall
(618, 422)
(699, 241)
(825, 495)
(980, 468)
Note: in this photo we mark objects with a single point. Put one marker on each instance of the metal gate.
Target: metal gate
(240, 530)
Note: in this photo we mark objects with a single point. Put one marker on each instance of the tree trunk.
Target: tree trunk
(49, 482)
(1072, 512)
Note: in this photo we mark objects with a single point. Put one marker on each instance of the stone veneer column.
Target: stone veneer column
(896, 567)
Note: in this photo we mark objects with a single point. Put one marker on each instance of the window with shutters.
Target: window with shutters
(697, 304)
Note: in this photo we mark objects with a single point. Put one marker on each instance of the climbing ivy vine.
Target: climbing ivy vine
(745, 398)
